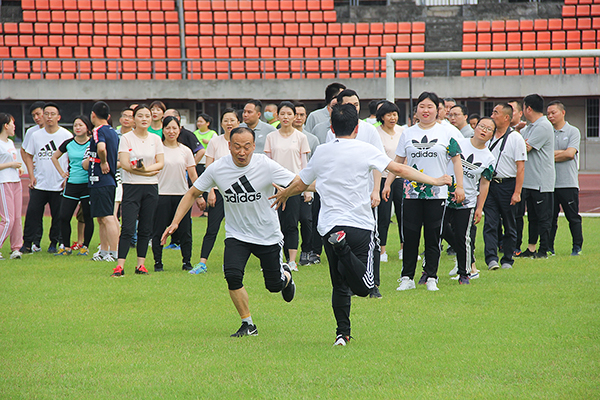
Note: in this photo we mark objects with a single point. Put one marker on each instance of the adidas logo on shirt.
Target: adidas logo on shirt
(469, 165)
(241, 192)
(47, 150)
(423, 145)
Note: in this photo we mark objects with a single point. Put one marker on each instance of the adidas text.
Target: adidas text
(242, 198)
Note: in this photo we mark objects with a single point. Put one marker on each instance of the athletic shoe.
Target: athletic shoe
(200, 268)
(383, 257)
(551, 252)
(463, 280)
(293, 265)
(375, 293)
(62, 252)
(337, 239)
(289, 291)
(406, 283)
(173, 246)
(246, 330)
(97, 257)
(527, 254)
(400, 254)
(2, 257)
(517, 253)
(314, 258)
(187, 267)
(25, 250)
(158, 267)
(52, 249)
(432, 284)
(118, 272)
(493, 265)
(341, 340)
(576, 251)
(76, 246)
(474, 275)
(423, 279)
(506, 266)
(539, 254)
(450, 251)
(83, 251)
(16, 255)
(35, 248)
(304, 258)
(141, 270)
(454, 270)
(109, 258)
(150, 243)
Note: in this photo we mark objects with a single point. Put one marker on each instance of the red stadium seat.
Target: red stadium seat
(498, 26)
(526, 25)
(332, 41)
(55, 40)
(483, 26)
(306, 29)
(418, 27)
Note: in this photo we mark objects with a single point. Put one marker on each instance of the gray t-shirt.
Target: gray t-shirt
(320, 131)
(261, 131)
(566, 171)
(316, 117)
(313, 142)
(467, 131)
(539, 167)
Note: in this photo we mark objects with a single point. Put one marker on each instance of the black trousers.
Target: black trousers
(306, 225)
(384, 210)
(317, 240)
(519, 215)
(288, 221)
(138, 204)
(429, 214)
(33, 229)
(497, 207)
(568, 199)
(351, 271)
(539, 215)
(215, 217)
(76, 194)
(459, 232)
(167, 205)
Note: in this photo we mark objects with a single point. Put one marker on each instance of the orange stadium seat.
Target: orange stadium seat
(483, 26)
(332, 41)
(292, 29)
(84, 4)
(41, 41)
(320, 29)
(540, 25)
(498, 26)
(56, 41)
(554, 24)
(584, 23)
(316, 16)
(569, 23)
(306, 29)
(568, 11)
(29, 16)
(418, 27)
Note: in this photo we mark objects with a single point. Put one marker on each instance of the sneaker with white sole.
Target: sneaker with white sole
(506, 266)
(383, 257)
(341, 340)
(493, 265)
(16, 255)
(200, 268)
(293, 265)
(97, 256)
(474, 275)
(454, 270)
(109, 258)
(432, 284)
(406, 283)
(35, 248)
(246, 330)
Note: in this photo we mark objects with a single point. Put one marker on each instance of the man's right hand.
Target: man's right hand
(32, 182)
(516, 198)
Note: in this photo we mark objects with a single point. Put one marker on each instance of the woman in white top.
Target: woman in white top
(142, 157)
(289, 148)
(10, 188)
(387, 115)
(217, 147)
(172, 185)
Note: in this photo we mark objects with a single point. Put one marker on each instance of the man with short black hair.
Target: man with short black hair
(271, 115)
(458, 117)
(251, 117)
(566, 187)
(322, 114)
(449, 103)
(473, 119)
(44, 180)
(517, 123)
(372, 119)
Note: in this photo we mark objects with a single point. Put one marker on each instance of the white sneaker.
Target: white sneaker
(293, 265)
(474, 275)
(108, 257)
(400, 254)
(15, 255)
(35, 248)
(1, 257)
(406, 283)
(454, 270)
(432, 284)
(383, 257)
(97, 256)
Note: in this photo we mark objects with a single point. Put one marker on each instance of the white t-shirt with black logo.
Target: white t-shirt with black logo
(42, 145)
(245, 190)
(343, 170)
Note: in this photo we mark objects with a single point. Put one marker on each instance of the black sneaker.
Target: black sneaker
(187, 267)
(158, 267)
(304, 260)
(576, 251)
(246, 330)
(540, 254)
(52, 249)
(375, 294)
(314, 258)
(25, 250)
(141, 270)
(423, 279)
(337, 240)
(463, 280)
(527, 254)
(341, 340)
(450, 251)
(551, 252)
(289, 291)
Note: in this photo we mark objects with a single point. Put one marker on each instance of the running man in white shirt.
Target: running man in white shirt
(342, 169)
(245, 180)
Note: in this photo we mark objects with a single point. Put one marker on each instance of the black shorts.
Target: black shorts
(102, 201)
(76, 191)
(236, 256)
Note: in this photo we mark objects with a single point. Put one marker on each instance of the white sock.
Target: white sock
(248, 320)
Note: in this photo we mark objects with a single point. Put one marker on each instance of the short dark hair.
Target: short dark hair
(176, 112)
(159, 104)
(206, 117)
(167, 120)
(474, 115)
(332, 90)
(125, 109)
(229, 110)
(346, 93)
(52, 105)
(487, 119)
(386, 108)
(558, 104)
(535, 101)
(287, 104)
(299, 104)
(36, 105)
(373, 106)
(257, 104)
(449, 99)
(442, 102)
(431, 96)
(240, 130)
(519, 105)
(140, 107)
(86, 121)
(344, 119)
(5, 118)
(101, 109)
(463, 109)
(507, 108)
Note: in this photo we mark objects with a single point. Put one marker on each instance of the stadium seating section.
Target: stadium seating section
(238, 39)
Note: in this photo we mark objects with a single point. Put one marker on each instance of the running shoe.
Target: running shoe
(200, 268)
(423, 279)
(97, 256)
(187, 267)
(52, 249)
(474, 275)
(158, 267)
(314, 258)
(493, 265)
(337, 239)
(450, 251)
(539, 254)
(76, 246)
(463, 280)
(246, 330)
(454, 270)
(506, 266)
(576, 251)
(517, 253)
(341, 340)
(527, 254)
(16, 255)
(432, 284)
(173, 246)
(375, 293)
(83, 251)
(304, 258)
(25, 250)
(141, 270)
(2, 257)
(109, 258)
(551, 253)
(62, 252)
(406, 283)
(118, 272)
(289, 291)
(35, 248)
(383, 257)
(293, 266)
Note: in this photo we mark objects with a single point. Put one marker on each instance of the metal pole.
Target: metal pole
(410, 95)
(390, 71)
(182, 39)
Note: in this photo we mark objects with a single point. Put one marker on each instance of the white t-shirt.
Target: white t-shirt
(28, 133)
(8, 153)
(245, 190)
(41, 145)
(366, 133)
(146, 149)
(390, 142)
(172, 179)
(287, 150)
(428, 151)
(218, 147)
(342, 169)
(514, 150)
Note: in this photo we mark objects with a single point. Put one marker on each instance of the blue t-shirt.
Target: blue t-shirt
(107, 135)
(75, 152)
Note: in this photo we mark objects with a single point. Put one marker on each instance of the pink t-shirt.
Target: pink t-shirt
(390, 142)
(287, 150)
(146, 149)
(217, 147)
(172, 179)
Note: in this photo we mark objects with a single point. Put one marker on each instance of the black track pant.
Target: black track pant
(568, 199)
(384, 210)
(67, 208)
(497, 207)
(167, 205)
(215, 217)
(139, 203)
(288, 221)
(458, 232)
(351, 271)
(540, 206)
(519, 215)
(317, 240)
(429, 214)
(306, 225)
(32, 231)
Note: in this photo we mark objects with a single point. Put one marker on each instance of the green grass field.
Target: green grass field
(68, 331)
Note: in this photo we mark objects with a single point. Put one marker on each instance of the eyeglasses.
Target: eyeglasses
(228, 121)
(488, 129)
(453, 115)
